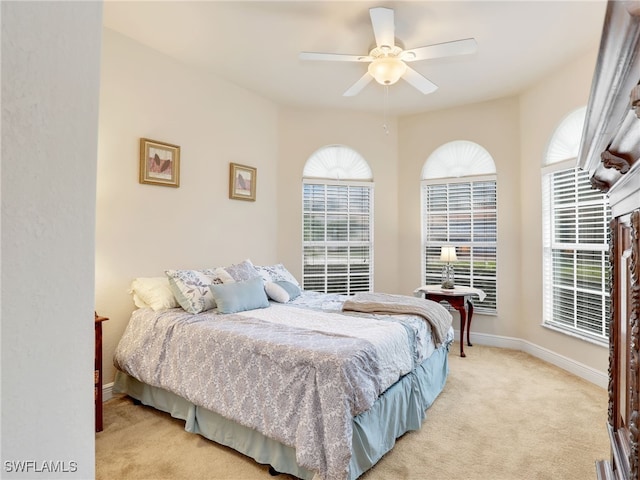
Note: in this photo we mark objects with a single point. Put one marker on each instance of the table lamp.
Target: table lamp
(448, 255)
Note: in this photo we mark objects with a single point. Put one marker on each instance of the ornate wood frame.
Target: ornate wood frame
(610, 151)
(634, 319)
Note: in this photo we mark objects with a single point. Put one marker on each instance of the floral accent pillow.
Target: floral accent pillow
(277, 273)
(191, 288)
(242, 271)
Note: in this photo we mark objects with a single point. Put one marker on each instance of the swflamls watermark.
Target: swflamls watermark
(40, 466)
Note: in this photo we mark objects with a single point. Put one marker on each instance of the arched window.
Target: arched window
(458, 159)
(575, 248)
(337, 197)
(459, 208)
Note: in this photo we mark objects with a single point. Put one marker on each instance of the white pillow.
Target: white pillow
(281, 291)
(138, 301)
(152, 292)
(224, 275)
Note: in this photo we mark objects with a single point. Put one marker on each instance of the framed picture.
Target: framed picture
(242, 182)
(159, 163)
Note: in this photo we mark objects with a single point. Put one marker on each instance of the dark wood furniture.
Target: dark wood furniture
(97, 373)
(610, 151)
(461, 301)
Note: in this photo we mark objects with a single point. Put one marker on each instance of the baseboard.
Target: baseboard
(107, 392)
(592, 375)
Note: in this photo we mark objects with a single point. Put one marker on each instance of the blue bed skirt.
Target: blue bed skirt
(400, 409)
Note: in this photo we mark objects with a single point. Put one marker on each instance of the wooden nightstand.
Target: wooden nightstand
(97, 374)
(459, 298)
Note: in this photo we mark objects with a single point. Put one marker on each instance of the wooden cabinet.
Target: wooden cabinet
(610, 151)
(624, 364)
(97, 373)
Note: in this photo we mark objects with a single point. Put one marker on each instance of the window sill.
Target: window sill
(595, 341)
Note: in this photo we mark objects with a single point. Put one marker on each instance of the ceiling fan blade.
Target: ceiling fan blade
(358, 86)
(334, 57)
(438, 50)
(382, 20)
(418, 81)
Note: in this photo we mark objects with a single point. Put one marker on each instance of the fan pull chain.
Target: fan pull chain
(385, 104)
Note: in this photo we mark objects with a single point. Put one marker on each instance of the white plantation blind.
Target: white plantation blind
(576, 258)
(338, 236)
(337, 162)
(462, 213)
(460, 158)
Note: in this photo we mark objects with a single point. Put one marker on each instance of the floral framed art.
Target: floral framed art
(159, 163)
(242, 182)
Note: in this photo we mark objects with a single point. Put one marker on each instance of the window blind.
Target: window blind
(462, 214)
(576, 259)
(337, 237)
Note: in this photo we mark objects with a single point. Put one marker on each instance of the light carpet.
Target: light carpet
(503, 415)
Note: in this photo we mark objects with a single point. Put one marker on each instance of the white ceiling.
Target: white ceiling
(256, 45)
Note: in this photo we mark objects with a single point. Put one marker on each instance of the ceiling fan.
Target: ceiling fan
(388, 61)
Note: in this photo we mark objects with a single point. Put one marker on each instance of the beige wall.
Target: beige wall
(542, 109)
(301, 133)
(495, 126)
(144, 229)
(515, 131)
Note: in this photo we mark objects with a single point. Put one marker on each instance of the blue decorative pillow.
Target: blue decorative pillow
(282, 291)
(240, 296)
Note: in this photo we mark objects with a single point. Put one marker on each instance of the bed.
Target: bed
(315, 385)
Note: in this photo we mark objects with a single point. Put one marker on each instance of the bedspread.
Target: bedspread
(417, 328)
(393, 351)
(298, 384)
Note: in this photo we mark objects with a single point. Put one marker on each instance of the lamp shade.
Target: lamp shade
(387, 70)
(448, 254)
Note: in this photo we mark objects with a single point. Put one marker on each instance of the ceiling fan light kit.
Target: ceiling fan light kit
(387, 61)
(387, 70)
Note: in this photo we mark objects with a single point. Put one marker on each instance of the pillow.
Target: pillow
(276, 273)
(191, 288)
(153, 292)
(224, 276)
(139, 303)
(282, 291)
(240, 296)
(242, 271)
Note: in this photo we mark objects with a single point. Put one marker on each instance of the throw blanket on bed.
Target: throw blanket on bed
(298, 384)
(434, 313)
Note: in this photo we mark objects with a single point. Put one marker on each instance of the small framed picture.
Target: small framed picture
(159, 163)
(242, 182)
